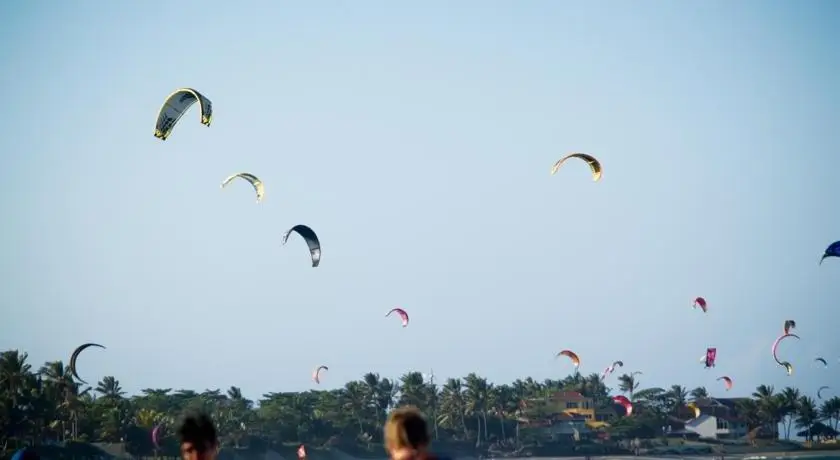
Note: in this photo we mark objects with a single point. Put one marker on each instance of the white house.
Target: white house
(716, 427)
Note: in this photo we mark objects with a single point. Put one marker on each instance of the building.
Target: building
(572, 403)
(563, 415)
(719, 419)
(559, 427)
(717, 427)
(610, 413)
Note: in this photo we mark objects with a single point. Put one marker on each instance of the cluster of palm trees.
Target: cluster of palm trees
(47, 405)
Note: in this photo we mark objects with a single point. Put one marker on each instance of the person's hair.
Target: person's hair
(199, 431)
(406, 429)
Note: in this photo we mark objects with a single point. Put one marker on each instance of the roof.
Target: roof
(699, 420)
(731, 403)
(569, 396)
(706, 402)
(696, 421)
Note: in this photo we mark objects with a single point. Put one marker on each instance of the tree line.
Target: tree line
(46, 405)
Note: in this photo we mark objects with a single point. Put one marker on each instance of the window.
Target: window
(571, 405)
(586, 404)
(722, 424)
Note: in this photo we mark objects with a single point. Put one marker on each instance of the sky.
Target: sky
(416, 139)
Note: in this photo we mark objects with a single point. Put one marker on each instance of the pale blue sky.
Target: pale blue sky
(416, 139)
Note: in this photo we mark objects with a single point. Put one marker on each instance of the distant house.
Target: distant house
(610, 413)
(675, 428)
(717, 427)
(719, 419)
(563, 414)
(559, 426)
(572, 403)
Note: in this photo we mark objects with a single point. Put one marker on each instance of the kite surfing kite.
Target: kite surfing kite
(693, 407)
(833, 250)
(571, 355)
(611, 368)
(821, 360)
(75, 356)
(819, 392)
(316, 374)
(635, 373)
(252, 179)
(726, 381)
(174, 107)
(776, 343)
(710, 357)
(311, 240)
(594, 164)
(699, 302)
(789, 324)
(156, 436)
(402, 314)
(788, 367)
(625, 403)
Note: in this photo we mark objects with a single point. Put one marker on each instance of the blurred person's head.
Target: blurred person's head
(198, 438)
(406, 434)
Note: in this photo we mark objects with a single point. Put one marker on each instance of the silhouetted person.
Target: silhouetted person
(407, 436)
(198, 438)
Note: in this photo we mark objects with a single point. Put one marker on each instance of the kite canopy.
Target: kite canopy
(316, 374)
(311, 240)
(255, 182)
(402, 314)
(174, 107)
(594, 164)
(75, 356)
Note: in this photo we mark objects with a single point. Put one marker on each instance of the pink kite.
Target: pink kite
(403, 315)
(711, 355)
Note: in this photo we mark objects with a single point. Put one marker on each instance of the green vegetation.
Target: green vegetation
(48, 407)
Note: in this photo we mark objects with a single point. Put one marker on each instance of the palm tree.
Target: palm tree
(412, 390)
(769, 406)
(654, 399)
(355, 402)
(14, 378)
(453, 407)
(788, 400)
(110, 389)
(13, 370)
(807, 415)
(503, 403)
(698, 393)
(677, 398)
(374, 391)
(476, 397)
(627, 384)
(830, 411)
